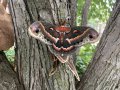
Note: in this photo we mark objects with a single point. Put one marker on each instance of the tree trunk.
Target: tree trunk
(8, 78)
(33, 57)
(85, 12)
(103, 73)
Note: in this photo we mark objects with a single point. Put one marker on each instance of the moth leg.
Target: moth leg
(54, 67)
(72, 67)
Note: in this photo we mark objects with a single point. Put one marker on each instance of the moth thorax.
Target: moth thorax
(61, 37)
(62, 29)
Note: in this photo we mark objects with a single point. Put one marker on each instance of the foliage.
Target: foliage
(10, 55)
(83, 57)
(80, 4)
(99, 10)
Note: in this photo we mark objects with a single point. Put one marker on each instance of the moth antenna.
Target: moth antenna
(62, 22)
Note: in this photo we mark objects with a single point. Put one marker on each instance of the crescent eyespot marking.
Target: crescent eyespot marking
(79, 36)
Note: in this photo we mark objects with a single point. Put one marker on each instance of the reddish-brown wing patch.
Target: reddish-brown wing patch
(62, 29)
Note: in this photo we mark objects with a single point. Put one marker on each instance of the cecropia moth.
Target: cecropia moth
(63, 40)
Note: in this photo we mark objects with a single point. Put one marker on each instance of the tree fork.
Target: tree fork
(33, 57)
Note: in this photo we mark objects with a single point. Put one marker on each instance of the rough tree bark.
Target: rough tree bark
(32, 57)
(8, 78)
(85, 12)
(103, 72)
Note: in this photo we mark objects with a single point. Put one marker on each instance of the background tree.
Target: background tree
(103, 71)
(85, 12)
(97, 17)
(33, 58)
